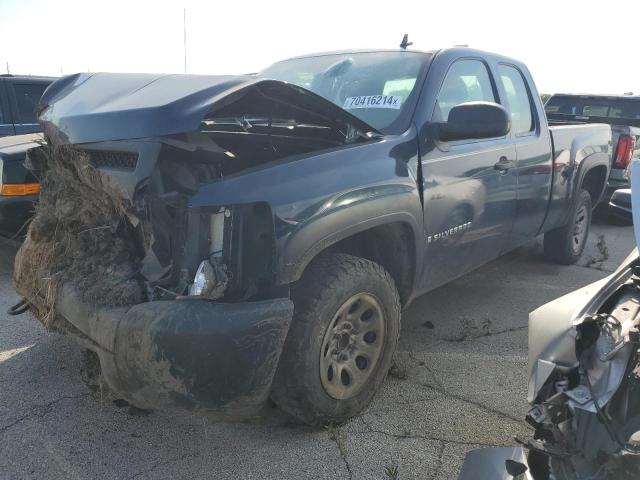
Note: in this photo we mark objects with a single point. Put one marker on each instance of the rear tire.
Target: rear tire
(341, 343)
(565, 245)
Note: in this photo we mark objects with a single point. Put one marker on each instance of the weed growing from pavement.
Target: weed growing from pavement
(337, 435)
(392, 472)
(603, 250)
(398, 371)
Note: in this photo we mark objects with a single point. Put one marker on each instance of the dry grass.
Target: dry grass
(80, 234)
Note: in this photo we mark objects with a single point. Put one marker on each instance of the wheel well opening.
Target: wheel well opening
(392, 246)
(594, 182)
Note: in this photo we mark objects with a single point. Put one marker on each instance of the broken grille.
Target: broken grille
(111, 159)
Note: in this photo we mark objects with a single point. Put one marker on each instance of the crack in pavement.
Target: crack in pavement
(480, 405)
(466, 336)
(427, 367)
(439, 460)
(161, 463)
(440, 388)
(337, 436)
(397, 436)
(40, 411)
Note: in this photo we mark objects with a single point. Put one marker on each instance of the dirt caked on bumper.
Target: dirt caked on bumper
(184, 354)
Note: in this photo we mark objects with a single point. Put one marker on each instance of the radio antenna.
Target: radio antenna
(405, 42)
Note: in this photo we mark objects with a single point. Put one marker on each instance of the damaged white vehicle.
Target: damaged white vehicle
(584, 384)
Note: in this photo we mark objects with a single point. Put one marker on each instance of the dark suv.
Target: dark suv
(19, 95)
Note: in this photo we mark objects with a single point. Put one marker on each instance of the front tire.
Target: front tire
(341, 343)
(565, 245)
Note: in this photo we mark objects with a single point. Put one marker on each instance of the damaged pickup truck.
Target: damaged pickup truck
(217, 241)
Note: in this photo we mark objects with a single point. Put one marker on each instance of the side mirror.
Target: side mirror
(475, 120)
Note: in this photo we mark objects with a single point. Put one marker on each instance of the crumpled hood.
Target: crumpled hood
(84, 108)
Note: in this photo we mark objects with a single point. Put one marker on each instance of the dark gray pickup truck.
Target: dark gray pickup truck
(622, 112)
(217, 241)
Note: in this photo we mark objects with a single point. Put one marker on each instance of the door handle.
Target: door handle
(503, 165)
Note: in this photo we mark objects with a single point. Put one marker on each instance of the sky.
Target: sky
(569, 45)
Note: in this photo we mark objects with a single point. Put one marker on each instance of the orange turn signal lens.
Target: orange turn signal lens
(19, 189)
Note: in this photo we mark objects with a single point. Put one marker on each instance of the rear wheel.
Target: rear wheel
(341, 343)
(565, 245)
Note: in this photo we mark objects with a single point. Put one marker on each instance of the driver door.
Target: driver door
(469, 185)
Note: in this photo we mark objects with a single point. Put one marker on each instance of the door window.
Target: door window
(27, 98)
(518, 100)
(466, 81)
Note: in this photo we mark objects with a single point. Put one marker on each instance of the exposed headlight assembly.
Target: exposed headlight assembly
(210, 280)
(211, 277)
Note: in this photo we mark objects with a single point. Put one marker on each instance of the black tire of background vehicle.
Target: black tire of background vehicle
(559, 243)
(326, 285)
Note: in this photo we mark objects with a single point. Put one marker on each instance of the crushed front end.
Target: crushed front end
(180, 301)
(156, 289)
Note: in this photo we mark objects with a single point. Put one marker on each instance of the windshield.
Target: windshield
(378, 87)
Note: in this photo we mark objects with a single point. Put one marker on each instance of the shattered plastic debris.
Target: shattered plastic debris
(81, 234)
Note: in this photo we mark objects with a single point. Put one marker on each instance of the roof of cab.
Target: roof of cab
(356, 51)
(461, 50)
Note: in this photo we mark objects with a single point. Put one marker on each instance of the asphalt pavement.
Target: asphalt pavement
(459, 383)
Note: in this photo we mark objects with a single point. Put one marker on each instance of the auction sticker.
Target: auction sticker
(373, 101)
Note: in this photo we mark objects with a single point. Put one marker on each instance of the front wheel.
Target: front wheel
(340, 347)
(565, 245)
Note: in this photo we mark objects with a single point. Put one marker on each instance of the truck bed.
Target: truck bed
(573, 144)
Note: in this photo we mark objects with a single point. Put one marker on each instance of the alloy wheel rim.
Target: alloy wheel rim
(579, 229)
(352, 346)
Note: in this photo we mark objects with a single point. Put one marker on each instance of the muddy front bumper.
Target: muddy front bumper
(184, 354)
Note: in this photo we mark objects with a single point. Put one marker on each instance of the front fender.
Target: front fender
(347, 215)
